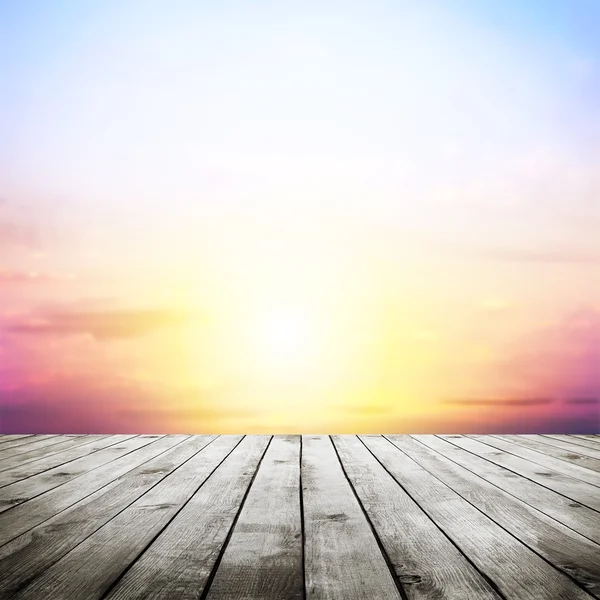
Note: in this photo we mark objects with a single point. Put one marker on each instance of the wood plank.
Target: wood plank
(425, 561)
(180, 561)
(16, 493)
(30, 554)
(128, 455)
(263, 559)
(61, 458)
(581, 446)
(41, 441)
(39, 453)
(534, 443)
(104, 558)
(538, 457)
(516, 458)
(588, 438)
(574, 555)
(342, 556)
(13, 438)
(516, 571)
(580, 518)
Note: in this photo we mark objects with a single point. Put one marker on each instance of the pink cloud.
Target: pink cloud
(103, 404)
(9, 277)
(562, 360)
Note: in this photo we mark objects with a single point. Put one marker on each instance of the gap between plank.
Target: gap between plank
(217, 564)
(92, 492)
(502, 489)
(28, 581)
(302, 530)
(485, 576)
(64, 463)
(525, 476)
(577, 583)
(388, 562)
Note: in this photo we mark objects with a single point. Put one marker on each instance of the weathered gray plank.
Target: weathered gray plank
(28, 555)
(554, 465)
(578, 445)
(518, 573)
(342, 557)
(179, 562)
(426, 563)
(534, 443)
(521, 460)
(35, 455)
(88, 571)
(16, 493)
(128, 455)
(580, 518)
(41, 441)
(13, 439)
(263, 559)
(587, 437)
(567, 550)
(60, 458)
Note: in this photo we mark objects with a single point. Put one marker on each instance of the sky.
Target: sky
(339, 217)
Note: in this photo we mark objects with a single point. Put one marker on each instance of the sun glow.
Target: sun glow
(287, 341)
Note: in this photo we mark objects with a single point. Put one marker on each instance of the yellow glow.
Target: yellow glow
(287, 340)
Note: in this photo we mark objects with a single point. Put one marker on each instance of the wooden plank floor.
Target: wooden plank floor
(291, 517)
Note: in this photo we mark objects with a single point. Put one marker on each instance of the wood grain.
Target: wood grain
(573, 554)
(41, 441)
(129, 455)
(518, 572)
(128, 517)
(35, 456)
(342, 557)
(536, 442)
(14, 439)
(180, 561)
(63, 457)
(28, 555)
(557, 465)
(426, 562)
(88, 570)
(16, 493)
(263, 559)
(580, 518)
(570, 487)
(573, 445)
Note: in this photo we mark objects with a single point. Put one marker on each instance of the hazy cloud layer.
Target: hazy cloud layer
(499, 402)
(8, 277)
(99, 404)
(103, 325)
(583, 401)
(561, 360)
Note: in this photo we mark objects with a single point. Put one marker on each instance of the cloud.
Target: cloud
(552, 255)
(93, 403)
(498, 402)
(186, 415)
(365, 410)
(102, 325)
(583, 401)
(17, 228)
(561, 360)
(9, 277)
(15, 234)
